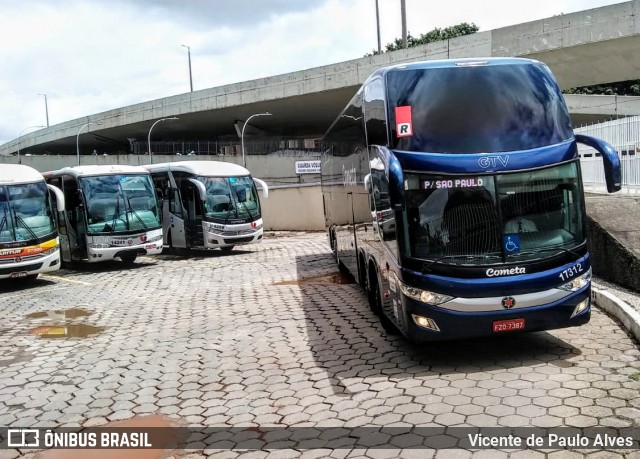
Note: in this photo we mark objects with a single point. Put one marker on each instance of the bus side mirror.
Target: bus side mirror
(263, 185)
(396, 184)
(612, 171)
(59, 195)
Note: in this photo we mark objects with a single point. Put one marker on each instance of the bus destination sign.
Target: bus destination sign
(461, 182)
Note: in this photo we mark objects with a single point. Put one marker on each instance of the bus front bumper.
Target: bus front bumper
(102, 249)
(44, 264)
(216, 240)
(443, 324)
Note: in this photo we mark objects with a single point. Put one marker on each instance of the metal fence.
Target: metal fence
(624, 135)
(292, 147)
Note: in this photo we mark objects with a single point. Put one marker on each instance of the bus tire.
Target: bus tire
(362, 272)
(227, 249)
(29, 278)
(372, 288)
(128, 258)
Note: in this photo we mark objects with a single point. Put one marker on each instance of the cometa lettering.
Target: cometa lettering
(506, 271)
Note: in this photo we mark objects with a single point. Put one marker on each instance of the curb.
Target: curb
(613, 305)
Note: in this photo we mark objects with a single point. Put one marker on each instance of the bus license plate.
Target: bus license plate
(508, 325)
(19, 274)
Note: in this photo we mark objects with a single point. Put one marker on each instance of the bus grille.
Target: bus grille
(239, 240)
(7, 261)
(20, 268)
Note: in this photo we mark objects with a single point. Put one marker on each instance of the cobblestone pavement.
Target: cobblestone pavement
(251, 339)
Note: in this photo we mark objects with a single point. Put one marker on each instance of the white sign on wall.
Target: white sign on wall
(308, 167)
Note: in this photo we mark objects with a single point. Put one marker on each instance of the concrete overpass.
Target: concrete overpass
(584, 48)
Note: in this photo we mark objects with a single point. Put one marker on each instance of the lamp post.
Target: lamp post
(403, 14)
(189, 55)
(78, 138)
(23, 131)
(46, 107)
(244, 162)
(378, 27)
(149, 137)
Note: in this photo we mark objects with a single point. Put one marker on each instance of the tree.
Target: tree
(434, 35)
(621, 88)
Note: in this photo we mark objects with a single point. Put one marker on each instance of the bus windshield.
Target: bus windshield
(494, 218)
(25, 212)
(230, 198)
(119, 203)
(475, 109)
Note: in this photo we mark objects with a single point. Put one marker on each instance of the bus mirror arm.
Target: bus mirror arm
(612, 171)
(264, 186)
(202, 191)
(396, 184)
(57, 192)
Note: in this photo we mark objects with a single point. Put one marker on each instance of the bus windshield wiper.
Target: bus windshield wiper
(145, 227)
(21, 222)
(246, 209)
(115, 214)
(546, 249)
(5, 220)
(426, 266)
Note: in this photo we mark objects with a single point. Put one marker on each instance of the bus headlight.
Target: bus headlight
(584, 304)
(577, 283)
(154, 238)
(424, 295)
(49, 251)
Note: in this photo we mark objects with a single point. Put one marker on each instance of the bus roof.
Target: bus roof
(17, 173)
(466, 62)
(204, 168)
(86, 171)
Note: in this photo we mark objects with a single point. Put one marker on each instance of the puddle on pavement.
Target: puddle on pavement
(337, 278)
(65, 331)
(16, 357)
(161, 433)
(60, 314)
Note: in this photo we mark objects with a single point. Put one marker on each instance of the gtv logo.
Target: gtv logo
(493, 161)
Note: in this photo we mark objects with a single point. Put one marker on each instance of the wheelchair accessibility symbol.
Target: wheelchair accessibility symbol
(511, 243)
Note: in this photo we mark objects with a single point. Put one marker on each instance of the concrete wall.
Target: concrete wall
(293, 209)
(610, 259)
(275, 168)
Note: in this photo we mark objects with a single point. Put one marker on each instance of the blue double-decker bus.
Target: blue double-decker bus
(452, 191)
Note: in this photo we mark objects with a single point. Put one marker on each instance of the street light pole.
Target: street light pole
(189, 55)
(149, 137)
(403, 14)
(244, 162)
(46, 107)
(78, 138)
(378, 27)
(23, 131)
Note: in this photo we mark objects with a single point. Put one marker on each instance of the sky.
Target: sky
(90, 56)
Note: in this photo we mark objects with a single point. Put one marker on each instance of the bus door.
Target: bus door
(175, 221)
(193, 219)
(72, 243)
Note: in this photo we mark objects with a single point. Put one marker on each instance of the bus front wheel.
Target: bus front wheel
(129, 258)
(227, 249)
